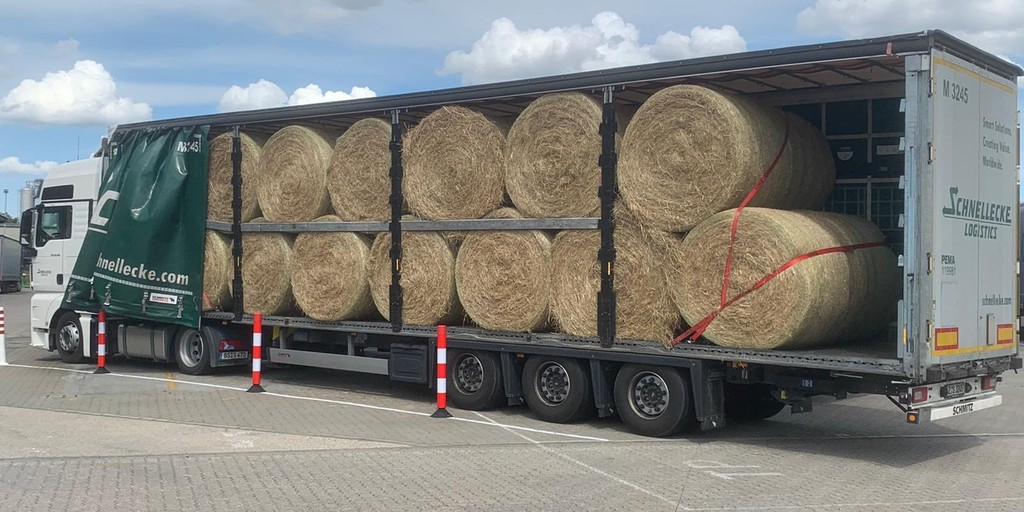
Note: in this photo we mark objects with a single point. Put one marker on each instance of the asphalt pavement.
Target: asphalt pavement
(148, 438)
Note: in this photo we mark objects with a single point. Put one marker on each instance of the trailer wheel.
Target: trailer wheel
(557, 389)
(192, 352)
(474, 380)
(68, 337)
(750, 402)
(654, 401)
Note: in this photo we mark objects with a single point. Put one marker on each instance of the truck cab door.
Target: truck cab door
(52, 232)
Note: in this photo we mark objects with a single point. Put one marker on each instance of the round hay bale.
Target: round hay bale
(821, 300)
(644, 307)
(217, 272)
(359, 177)
(691, 152)
(454, 165)
(267, 264)
(504, 277)
(428, 278)
(330, 274)
(219, 192)
(292, 177)
(552, 152)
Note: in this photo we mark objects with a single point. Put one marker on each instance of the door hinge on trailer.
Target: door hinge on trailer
(931, 153)
(929, 332)
(931, 263)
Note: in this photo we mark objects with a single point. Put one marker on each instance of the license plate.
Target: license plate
(954, 389)
(235, 354)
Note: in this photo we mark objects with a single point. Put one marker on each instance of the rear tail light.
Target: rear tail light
(919, 395)
(988, 382)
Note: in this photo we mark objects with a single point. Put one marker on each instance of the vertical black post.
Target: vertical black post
(236, 220)
(395, 227)
(607, 193)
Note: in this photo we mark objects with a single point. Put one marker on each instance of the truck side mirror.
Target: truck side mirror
(26, 226)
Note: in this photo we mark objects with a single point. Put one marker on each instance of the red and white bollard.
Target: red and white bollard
(101, 344)
(442, 374)
(257, 353)
(3, 340)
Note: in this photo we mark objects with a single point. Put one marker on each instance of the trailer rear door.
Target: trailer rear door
(973, 257)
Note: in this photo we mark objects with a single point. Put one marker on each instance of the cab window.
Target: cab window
(54, 224)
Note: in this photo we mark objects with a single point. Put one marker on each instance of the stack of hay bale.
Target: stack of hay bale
(688, 158)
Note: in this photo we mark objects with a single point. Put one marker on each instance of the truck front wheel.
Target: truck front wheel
(192, 352)
(68, 337)
(557, 389)
(654, 401)
(474, 380)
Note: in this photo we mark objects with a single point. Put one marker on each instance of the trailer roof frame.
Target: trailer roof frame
(505, 98)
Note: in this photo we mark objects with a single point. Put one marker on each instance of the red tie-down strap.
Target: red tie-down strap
(736, 215)
(698, 329)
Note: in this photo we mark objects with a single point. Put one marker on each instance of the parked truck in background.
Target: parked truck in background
(10, 265)
(910, 118)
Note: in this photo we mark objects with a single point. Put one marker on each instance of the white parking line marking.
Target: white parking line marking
(583, 464)
(324, 400)
(712, 464)
(732, 476)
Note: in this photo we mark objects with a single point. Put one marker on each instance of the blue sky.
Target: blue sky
(70, 69)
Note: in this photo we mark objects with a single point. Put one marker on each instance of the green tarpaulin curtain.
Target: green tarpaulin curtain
(143, 254)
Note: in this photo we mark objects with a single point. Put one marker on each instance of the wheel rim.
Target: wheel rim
(469, 374)
(649, 395)
(69, 338)
(191, 348)
(553, 383)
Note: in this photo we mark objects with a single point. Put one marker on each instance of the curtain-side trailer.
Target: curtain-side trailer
(924, 131)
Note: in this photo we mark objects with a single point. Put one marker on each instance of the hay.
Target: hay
(552, 157)
(330, 274)
(267, 265)
(691, 152)
(217, 272)
(821, 300)
(644, 307)
(504, 277)
(219, 193)
(292, 177)
(358, 178)
(454, 165)
(428, 278)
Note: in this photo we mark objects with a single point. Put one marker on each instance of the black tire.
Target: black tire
(557, 389)
(474, 380)
(67, 335)
(192, 352)
(654, 401)
(750, 402)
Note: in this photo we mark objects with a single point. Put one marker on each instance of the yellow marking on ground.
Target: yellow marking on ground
(170, 381)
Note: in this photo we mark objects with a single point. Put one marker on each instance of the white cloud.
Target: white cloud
(83, 95)
(507, 52)
(994, 25)
(262, 94)
(14, 165)
(267, 94)
(312, 94)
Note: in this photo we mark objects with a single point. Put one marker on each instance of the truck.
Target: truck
(923, 128)
(10, 265)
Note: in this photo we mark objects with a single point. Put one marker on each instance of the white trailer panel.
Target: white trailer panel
(974, 251)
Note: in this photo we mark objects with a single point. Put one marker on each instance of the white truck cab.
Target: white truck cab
(55, 229)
